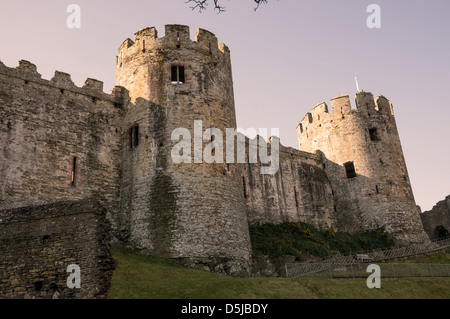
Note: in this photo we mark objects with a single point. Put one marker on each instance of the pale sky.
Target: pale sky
(286, 57)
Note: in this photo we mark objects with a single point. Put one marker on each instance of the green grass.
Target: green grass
(142, 277)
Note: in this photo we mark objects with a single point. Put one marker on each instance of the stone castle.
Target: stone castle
(62, 143)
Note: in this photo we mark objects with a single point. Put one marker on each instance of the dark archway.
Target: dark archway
(441, 232)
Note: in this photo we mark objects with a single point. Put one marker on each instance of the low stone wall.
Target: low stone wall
(39, 243)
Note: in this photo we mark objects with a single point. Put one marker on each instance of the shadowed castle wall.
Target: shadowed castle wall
(299, 191)
(436, 221)
(38, 243)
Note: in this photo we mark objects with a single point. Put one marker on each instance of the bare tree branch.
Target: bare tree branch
(202, 4)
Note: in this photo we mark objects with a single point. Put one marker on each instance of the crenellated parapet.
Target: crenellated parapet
(27, 72)
(321, 118)
(176, 37)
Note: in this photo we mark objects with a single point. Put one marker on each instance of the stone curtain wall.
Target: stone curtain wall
(437, 221)
(38, 243)
(299, 192)
(44, 125)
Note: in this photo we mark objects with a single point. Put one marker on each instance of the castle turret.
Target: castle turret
(191, 210)
(365, 163)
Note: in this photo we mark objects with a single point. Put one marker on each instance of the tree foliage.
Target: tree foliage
(201, 5)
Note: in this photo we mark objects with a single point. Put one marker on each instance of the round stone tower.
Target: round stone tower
(364, 160)
(189, 210)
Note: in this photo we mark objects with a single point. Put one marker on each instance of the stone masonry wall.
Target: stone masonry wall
(437, 221)
(191, 211)
(38, 243)
(379, 194)
(299, 191)
(44, 125)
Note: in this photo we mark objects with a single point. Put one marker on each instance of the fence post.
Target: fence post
(412, 270)
(431, 272)
(448, 272)
(286, 267)
(393, 271)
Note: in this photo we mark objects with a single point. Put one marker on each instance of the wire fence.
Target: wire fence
(303, 269)
(387, 270)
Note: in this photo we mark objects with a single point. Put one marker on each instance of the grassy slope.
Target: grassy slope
(143, 277)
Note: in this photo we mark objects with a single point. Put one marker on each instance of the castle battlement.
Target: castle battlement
(27, 72)
(366, 106)
(176, 36)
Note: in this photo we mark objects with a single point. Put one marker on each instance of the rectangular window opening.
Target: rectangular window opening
(373, 133)
(350, 169)
(136, 135)
(244, 187)
(177, 74)
(133, 136)
(74, 170)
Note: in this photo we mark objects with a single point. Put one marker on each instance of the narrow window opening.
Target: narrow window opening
(74, 171)
(143, 46)
(373, 133)
(244, 187)
(318, 117)
(178, 40)
(296, 196)
(332, 192)
(210, 48)
(136, 135)
(133, 136)
(61, 91)
(377, 189)
(177, 74)
(350, 169)
(335, 208)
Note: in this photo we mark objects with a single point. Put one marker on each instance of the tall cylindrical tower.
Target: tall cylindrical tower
(193, 210)
(364, 160)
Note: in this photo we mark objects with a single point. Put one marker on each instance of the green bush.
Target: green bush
(298, 239)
